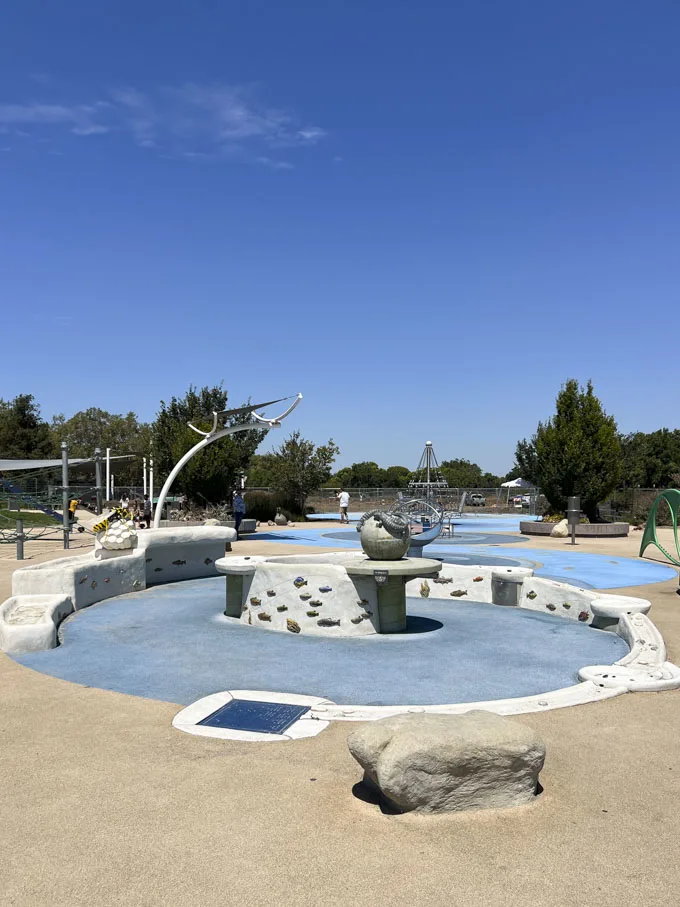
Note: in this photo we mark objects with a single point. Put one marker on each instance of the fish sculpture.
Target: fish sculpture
(255, 601)
(312, 614)
(458, 593)
(477, 579)
(299, 582)
(532, 595)
(325, 588)
(264, 616)
(282, 608)
(271, 593)
(305, 596)
(425, 589)
(292, 625)
(328, 622)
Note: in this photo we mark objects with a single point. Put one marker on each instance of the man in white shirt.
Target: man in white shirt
(343, 498)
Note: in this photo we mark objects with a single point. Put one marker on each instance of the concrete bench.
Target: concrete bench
(28, 623)
(609, 609)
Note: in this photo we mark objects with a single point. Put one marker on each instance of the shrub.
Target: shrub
(262, 506)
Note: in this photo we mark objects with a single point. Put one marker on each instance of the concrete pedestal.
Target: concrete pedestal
(390, 578)
(236, 573)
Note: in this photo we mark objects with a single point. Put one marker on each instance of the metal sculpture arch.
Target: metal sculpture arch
(672, 497)
(215, 434)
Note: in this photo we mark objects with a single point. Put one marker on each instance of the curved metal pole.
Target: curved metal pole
(208, 439)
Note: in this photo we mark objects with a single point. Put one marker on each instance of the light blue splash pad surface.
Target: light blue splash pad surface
(589, 571)
(172, 643)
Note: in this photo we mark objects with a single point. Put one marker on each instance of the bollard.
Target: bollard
(20, 540)
(573, 515)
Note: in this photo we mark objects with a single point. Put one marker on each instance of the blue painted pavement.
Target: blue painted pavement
(172, 643)
(591, 571)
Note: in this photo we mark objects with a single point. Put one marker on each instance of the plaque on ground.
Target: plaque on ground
(251, 715)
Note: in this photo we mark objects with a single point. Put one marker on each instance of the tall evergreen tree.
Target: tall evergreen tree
(576, 452)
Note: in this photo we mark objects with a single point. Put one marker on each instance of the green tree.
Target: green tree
(526, 462)
(94, 427)
(214, 471)
(651, 460)
(577, 451)
(23, 432)
(397, 476)
(260, 471)
(300, 467)
(462, 474)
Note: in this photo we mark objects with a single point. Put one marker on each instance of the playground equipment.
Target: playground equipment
(672, 497)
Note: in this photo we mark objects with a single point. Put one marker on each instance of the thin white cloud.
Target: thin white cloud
(192, 121)
(312, 134)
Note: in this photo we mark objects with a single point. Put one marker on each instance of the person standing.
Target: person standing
(125, 502)
(239, 510)
(343, 498)
(146, 509)
(72, 507)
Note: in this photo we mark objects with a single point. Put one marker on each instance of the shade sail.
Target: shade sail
(25, 465)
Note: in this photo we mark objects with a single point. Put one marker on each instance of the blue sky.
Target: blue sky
(424, 216)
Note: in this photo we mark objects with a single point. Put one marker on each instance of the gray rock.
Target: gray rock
(432, 763)
(560, 530)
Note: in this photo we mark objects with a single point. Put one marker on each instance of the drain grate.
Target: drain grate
(252, 715)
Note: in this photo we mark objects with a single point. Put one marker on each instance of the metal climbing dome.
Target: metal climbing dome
(428, 481)
(649, 537)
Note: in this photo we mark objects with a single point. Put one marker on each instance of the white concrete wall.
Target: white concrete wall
(175, 554)
(272, 592)
(85, 580)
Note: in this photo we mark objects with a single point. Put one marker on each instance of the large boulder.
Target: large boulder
(560, 530)
(432, 763)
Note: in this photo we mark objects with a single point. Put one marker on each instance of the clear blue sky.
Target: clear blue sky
(424, 216)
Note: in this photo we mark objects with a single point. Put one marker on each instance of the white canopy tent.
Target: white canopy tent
(517, 483)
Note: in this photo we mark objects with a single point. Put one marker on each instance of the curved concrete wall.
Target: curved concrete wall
(583, 530)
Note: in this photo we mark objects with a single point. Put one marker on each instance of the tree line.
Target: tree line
(296, 467)
(577, 451)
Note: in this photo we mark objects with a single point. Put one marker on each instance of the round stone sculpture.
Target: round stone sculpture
(384, 536)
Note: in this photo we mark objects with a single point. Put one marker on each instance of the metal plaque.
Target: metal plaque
(262, 717)
(380, 576)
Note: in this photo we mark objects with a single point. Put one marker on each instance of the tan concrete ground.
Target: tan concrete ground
(104, 803)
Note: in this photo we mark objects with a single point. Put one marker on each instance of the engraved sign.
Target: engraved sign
(380, 576)
(262, 717)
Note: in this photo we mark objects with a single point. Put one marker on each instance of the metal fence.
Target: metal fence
(489, 500)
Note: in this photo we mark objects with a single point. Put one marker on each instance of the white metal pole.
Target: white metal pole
(215, 435)
(144, 477)
(151, 485)
(109, 492)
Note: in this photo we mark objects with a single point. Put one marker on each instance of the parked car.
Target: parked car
(476, 500)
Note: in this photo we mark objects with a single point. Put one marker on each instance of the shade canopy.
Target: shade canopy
(517, 483)
(25, 465)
